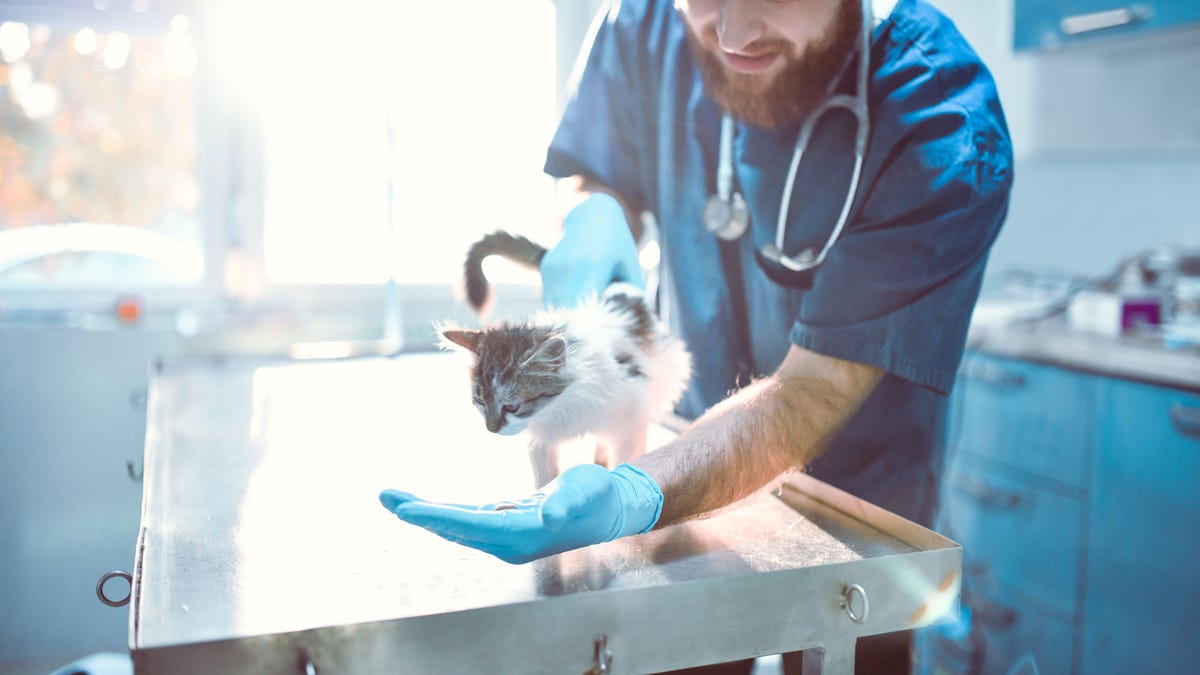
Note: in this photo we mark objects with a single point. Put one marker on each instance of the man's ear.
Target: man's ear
(551, 354)
(464, 338)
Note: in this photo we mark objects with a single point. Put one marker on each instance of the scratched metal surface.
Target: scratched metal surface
(260, 512)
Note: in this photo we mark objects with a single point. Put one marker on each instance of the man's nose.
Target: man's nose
(740, 25)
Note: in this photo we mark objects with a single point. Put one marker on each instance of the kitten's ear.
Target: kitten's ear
(551, 354)
(467, 339)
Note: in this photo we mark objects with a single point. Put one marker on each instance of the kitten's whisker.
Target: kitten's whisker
(603, 369)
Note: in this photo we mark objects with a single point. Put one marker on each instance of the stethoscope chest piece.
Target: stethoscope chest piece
(728, 219)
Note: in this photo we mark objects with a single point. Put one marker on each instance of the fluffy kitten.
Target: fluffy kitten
(606, 367)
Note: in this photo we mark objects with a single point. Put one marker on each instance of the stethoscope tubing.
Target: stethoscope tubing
(851, 104)
(857, 106)
(725, 160)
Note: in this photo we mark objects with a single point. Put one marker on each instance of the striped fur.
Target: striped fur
(605, 368)
(513, 247)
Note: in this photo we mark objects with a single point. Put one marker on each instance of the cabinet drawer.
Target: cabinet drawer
(1141, 608)
(1051, 24)
(1025, 541)
(1031, 417)
(993, 638)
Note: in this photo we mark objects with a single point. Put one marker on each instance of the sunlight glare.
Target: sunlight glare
(116, 50)
(468, 115)
(86, 41)
(14, 41)
(650, 256)
(179, 54)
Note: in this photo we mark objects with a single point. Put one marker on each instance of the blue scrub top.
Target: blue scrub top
(898, 287)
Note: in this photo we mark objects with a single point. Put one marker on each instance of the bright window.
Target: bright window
(396, 133)
(98, 184)
(299, 144)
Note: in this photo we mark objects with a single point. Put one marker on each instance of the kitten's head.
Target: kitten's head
(518, 371)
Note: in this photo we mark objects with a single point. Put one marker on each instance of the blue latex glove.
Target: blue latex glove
(586, 505)
(595, 250)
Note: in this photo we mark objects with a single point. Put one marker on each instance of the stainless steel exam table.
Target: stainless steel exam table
(263, 547)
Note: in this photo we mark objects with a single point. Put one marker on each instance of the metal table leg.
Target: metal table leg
(835, 658)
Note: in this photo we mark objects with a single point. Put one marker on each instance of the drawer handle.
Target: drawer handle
(1091, 22)
(989, 496)
(846, 602)
(994, 375)
(1186, 420)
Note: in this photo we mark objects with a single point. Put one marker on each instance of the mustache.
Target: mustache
(796, 90)
(755, 49)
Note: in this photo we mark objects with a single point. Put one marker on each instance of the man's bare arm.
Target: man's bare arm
(740, 446)
(778, 423)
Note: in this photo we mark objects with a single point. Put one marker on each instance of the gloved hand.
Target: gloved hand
(595, 250)
(586, 505)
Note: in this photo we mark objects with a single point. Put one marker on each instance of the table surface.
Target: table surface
(260, 510)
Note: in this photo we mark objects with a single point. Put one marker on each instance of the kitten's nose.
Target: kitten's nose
(494, 422)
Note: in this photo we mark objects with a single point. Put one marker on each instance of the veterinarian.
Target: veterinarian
(824, 340)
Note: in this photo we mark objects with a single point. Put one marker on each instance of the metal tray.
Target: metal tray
(263, 548)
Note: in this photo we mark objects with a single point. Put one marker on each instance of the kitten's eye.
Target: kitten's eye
(509, 409)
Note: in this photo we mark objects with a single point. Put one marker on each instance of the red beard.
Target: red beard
(790, 96)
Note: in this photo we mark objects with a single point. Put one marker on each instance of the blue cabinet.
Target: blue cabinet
(1005, 518)
(1076, 498)
(1015, 498)
(72, 414)
(1143, 584)
(1030, 418)
(1051, 24)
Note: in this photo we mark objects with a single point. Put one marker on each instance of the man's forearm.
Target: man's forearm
(776, 424)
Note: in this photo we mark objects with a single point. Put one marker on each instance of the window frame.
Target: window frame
(229, 174)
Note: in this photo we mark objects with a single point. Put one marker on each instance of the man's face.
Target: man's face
(770, 62)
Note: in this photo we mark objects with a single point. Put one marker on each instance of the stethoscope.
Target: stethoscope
(726, 214)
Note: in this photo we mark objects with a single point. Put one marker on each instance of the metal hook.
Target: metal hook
(845, 603)
(135, 476)
(105, 599)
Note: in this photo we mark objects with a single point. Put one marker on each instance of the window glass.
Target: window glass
(98, 181)
(397, 133)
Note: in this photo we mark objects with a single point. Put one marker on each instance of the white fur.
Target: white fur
(603, 399)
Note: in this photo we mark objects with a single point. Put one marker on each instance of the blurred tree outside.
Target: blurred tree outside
(98, 128)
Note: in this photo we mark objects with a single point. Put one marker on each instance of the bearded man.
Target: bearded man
(828, 313)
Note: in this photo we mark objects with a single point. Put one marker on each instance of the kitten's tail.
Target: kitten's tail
(511, 246)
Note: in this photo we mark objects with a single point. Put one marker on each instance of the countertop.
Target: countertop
(1052, 341)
